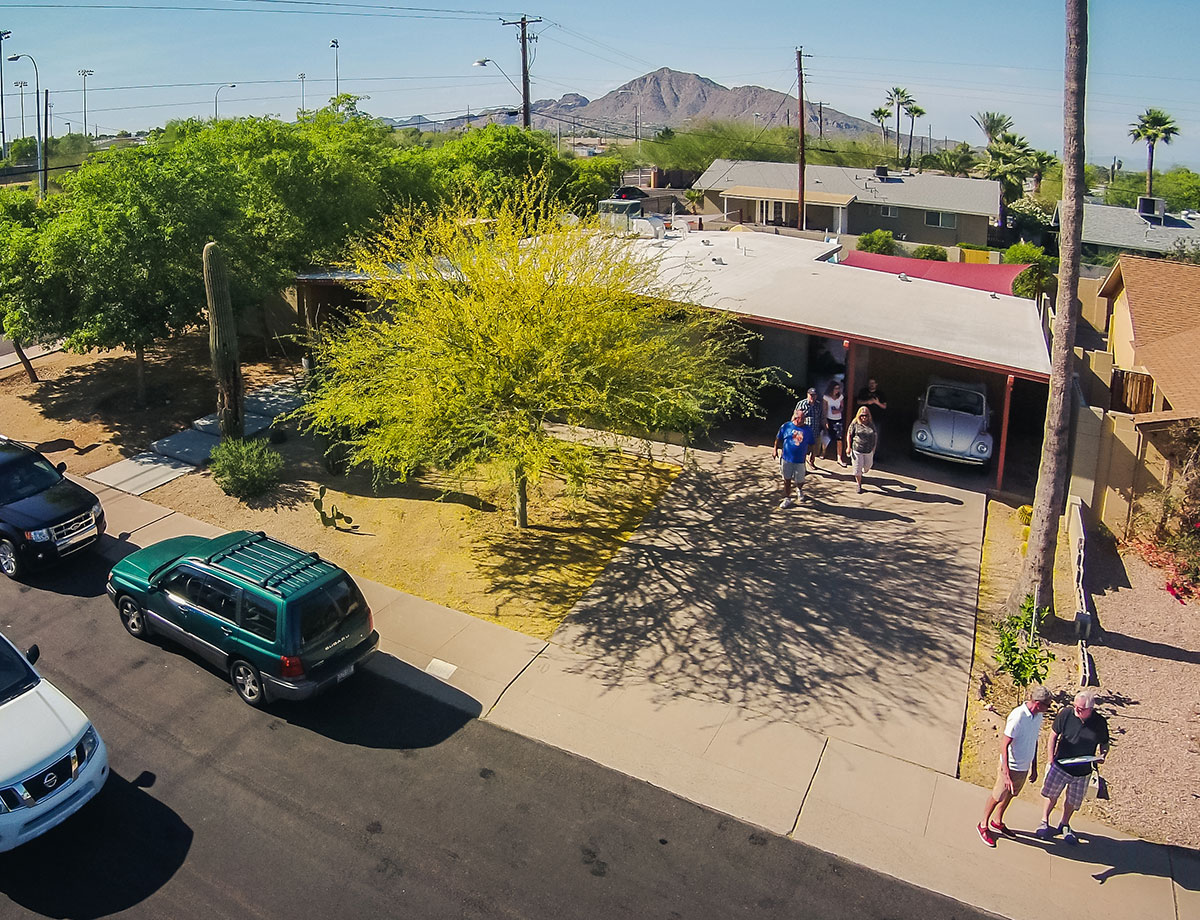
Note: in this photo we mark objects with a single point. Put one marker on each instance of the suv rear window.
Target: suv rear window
(327, 608)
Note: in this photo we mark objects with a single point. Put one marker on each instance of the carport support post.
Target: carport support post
(848, 407)
(1008, 388)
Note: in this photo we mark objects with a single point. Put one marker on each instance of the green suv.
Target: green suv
(284, 624)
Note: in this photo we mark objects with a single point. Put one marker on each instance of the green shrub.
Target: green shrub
(1036, 279)
(932, 253)
(245, 469)
(878, 241)
(1025, 514)
(1019, 651)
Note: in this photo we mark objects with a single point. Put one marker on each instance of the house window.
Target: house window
(887, 210)
(942, 219)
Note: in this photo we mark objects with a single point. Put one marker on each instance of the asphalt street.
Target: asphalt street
(372, 801)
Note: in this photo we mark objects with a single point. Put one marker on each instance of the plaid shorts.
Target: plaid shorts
(1058, 779)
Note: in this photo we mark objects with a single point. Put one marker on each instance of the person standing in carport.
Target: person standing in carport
(873, 398)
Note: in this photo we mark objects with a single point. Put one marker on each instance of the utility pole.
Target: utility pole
(821, 120)
(85, 73)
(21, 84)
(525, 38)
(4, 33)
(800, 123)
(45, 153)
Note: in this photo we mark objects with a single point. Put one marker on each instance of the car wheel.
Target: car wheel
(10, 562)
(247, 682)
(133, 618)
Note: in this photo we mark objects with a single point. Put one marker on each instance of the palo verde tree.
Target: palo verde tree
(506, 317)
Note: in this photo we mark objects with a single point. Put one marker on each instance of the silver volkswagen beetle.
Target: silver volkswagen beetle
(952, 422)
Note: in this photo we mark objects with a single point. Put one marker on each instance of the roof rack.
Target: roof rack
(261, 563)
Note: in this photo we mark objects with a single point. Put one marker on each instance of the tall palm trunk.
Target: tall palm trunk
(912, 124)
(898, 135)
(1149, 169)
(1037, 576)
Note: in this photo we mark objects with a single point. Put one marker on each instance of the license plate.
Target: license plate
(344, 673)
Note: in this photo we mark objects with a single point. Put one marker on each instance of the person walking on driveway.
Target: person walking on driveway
(810, 408)
(1018, 762)
(1078, 732)
(872, 397)
(792, 440)
(834, 402)
(861, 439)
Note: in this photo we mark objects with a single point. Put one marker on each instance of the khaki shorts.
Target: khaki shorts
(1018, 783)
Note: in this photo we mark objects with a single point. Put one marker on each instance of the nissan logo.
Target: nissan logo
(50, 780)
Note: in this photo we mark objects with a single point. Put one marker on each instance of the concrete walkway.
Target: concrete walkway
(843, 774)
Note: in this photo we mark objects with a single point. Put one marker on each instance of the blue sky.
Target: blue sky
(956, 58)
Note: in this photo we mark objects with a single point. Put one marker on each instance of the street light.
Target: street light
(301, 76)
(337, 76)
(483, 62)
(21, 84)
(218, 93)
(37, 92)
(637, 125)
(85, 73)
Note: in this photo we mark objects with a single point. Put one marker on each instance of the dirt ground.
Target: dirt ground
(83, 409)
(1146, 664)
(452, 542)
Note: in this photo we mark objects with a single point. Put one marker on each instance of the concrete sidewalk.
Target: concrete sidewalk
(898, 817)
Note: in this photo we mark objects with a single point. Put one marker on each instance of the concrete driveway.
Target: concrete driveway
(850, 615)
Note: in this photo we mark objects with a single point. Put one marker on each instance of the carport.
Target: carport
(897, 328)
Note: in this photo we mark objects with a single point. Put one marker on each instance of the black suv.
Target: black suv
(43, 515)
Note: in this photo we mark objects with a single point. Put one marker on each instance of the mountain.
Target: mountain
(667, 98)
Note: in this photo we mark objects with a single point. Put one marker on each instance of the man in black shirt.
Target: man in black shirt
(872, 397)
(1078, 732)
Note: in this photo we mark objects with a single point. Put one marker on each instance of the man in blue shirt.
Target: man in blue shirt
(793, 439)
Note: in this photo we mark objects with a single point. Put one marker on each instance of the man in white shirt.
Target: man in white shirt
(1018, 762)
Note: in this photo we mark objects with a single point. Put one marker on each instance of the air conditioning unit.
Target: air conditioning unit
(1151, 208)
(881, 172)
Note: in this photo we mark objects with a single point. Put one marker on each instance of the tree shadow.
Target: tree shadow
(117, 851)
(801, 614)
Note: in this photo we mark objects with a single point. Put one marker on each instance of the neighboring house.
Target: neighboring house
(1154, 334)
(1136, 385)
(918, 207)
(1109, 230)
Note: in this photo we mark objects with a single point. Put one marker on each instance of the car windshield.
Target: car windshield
(327, 608)
(26, 476)
(955, 399)
(16, 676)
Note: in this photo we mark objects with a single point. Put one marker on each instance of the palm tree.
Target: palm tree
(1009, 162)
(1037, 575)
(913, 111)
(958, 161)
(1152, 126)
(1040, 163)
(898, 97)
(880, 116)
(992, 124)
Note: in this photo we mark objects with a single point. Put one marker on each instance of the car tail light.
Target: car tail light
(370, 621)
(290, 666)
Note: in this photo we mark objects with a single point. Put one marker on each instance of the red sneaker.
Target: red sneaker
(1001, 829)
(985, 836)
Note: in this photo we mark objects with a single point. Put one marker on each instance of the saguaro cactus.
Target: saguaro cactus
(222, 343)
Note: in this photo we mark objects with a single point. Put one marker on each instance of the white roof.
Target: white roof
(906, 190)
(782, 280)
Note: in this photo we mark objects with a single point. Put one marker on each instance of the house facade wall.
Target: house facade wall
(909, 223)
(1120, 333)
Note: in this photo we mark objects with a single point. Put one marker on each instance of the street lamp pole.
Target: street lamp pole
(301, 76)
(37, 93)
(21, 84)
(484, 62)
(337, 73)
(218, 93)
(4, 33)
(85, 73)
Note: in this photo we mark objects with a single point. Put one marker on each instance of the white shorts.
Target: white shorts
(862, 462)
(792, 471)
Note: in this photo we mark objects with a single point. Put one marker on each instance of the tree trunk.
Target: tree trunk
(912, 125)
(139, 363)
(24, 359)
(1149, 170)
(1037, 575)
(223, 344)
(521, 497)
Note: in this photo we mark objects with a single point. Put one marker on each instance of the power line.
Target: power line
(451, 15)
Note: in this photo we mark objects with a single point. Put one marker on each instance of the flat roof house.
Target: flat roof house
(918, 207)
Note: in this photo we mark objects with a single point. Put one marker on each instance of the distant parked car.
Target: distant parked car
(43, 515)
(282, 623)
(952, 423)
(52, 761)
(630, 191)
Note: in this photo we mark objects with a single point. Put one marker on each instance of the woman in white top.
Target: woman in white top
(835, 402)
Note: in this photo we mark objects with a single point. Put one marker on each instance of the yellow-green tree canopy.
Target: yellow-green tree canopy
(499, 321)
